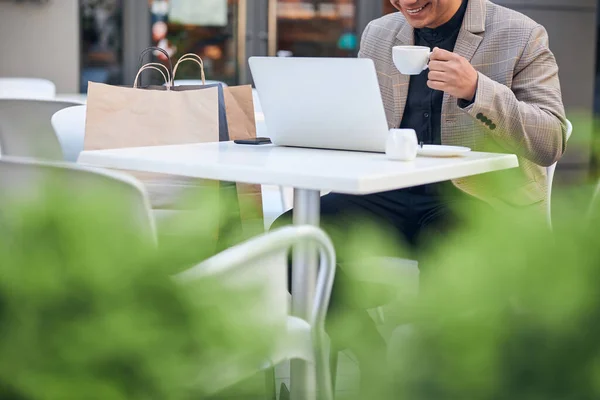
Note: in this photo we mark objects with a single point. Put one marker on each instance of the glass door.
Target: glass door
(101, 43)
(312, 28)
(213, 29)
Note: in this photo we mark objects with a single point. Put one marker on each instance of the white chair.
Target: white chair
(69, 126)
(27, 88)
(550, 179)
(263, 260)
(260, 262)
(26, 177)
(26, 130)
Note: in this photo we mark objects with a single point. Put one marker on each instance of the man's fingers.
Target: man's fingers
(436, 85)
(440, 66)
(437, 76)
(441, 55)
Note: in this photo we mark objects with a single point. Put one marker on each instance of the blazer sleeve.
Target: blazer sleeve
(529, 118)
(362, 48)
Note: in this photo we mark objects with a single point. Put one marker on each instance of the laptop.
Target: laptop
(326, 103)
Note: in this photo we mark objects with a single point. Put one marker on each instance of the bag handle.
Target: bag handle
(191, 57)
(154, 48)
(154, 66)
(163, 51)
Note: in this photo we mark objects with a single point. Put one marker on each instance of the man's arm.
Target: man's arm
(529, 118)
(361, 49)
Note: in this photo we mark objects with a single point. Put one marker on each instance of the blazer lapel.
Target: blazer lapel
(405, 37)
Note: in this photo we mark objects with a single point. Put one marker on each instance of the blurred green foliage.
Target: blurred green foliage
(507, 309)
(88, 309)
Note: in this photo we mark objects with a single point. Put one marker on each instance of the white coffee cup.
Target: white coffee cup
(411, 60)
(401, 145)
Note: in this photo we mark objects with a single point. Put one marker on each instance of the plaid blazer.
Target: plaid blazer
(518, 105)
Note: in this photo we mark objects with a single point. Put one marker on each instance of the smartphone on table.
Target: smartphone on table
(255, 141)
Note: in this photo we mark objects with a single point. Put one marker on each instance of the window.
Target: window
(101, 24)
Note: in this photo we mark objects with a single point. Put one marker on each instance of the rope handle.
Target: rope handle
(154, 66)
(191, 57)
(154, 48)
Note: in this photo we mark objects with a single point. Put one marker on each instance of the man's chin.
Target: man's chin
(418, 26)
(417, 23)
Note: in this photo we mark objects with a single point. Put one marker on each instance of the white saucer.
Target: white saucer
(433, 150)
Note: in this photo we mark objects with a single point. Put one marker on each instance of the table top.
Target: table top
(338, 171)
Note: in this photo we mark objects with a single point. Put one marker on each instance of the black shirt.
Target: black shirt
(423, 110)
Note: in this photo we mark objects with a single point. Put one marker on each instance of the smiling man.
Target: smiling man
(492, 85)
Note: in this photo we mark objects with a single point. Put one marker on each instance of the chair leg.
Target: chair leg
(270, 384)
(333, 365)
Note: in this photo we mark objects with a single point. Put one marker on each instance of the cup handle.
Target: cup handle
(427, 65)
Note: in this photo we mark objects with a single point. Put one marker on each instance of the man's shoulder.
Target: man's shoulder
(393, 20)
(386, 27)
(498, 19)
(502, 19)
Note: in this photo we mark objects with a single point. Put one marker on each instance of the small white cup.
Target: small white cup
(401, 145)
(411, 60)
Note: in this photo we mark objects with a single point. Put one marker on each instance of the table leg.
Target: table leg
(307, 209)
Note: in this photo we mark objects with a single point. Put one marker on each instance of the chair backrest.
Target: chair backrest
(266, 272)
(550, 178)
(26, 178)
(260, 264)
(237, 273)
(27, 88)
(26, 130)
(69, 126)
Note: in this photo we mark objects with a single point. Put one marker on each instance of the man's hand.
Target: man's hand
(452, 74)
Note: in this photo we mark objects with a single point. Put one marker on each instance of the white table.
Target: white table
(308, 171)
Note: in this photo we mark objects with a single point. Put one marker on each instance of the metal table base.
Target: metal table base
(307, 209)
